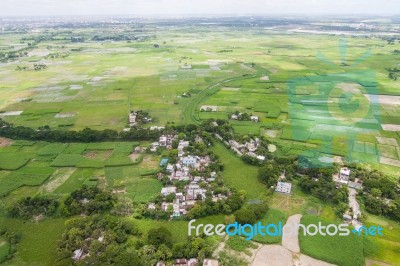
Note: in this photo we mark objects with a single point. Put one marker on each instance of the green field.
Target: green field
(239, 175)
(348, 250)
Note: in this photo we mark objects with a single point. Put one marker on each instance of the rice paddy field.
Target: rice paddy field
(60, 168)
(329, 91)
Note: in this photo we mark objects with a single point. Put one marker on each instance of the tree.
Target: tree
(245, 216)
(159, 236)
(123, 207)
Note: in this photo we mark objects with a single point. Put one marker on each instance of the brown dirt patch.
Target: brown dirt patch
(134, 156)
(5, 142)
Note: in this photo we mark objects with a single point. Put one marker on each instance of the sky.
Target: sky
(195, 7)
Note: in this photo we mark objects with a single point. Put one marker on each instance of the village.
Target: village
(191, 170)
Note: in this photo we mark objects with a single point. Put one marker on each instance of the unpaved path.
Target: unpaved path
(290, 240)
(289, 253)
(273, 255)
(305, 260)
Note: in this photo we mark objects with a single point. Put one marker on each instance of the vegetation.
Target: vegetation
(87, 201)
(36, 206)
(348, 249)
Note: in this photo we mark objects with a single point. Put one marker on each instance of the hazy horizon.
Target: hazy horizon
(196, 8)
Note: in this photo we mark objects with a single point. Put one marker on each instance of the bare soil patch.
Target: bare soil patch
(391, 127)
(273, 255)
(4, 142)
(387, 141)
(134, 156)
(290, 240)
(308, 261)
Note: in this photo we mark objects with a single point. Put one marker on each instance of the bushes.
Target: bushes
(250, 214)
(28, 207)
(159, 236)
(87, 200)
(105, 237)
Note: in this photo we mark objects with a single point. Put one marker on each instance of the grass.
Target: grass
(13, 161)
(144, 189)
(4, 250)
(273, 216)
(239, 175)
(238, 243)
(387, 247)
(38, 242)
(26, 176)
(339, 250)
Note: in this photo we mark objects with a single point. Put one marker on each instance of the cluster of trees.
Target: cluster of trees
(107, 240)
(119, 37)
(241, 116)
(12, 55)
(45, 133)
(319, 183)
(29, 207)
(380, 194)
(208, 207)
(87, 200)
(394, 73)
(251, 213)
(40, 66)
(101, 240)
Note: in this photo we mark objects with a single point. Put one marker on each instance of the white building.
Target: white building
(261, 157)
(189, 161)
(344, 174)
(163, 141)
(254, 118)
(284, 187)
(165, 191)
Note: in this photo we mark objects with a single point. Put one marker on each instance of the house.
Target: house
(180, 262)
(347, 217)
(176, 210)
(252, 154)
(210, 262)
(344, 173)
(182, 144)
(165, 191)
(165, 205)
(189, 161)
(132, 119)
(179, 196)
(77, 254)
(170, 168)
(192, 262)
(163, 141)
(284, 187)
(163, 161)
(156, 128)
(235, 144)
(261, 157)
(154, 146)
(254, 118)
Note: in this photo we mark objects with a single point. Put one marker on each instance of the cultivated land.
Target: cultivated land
(310, 101)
